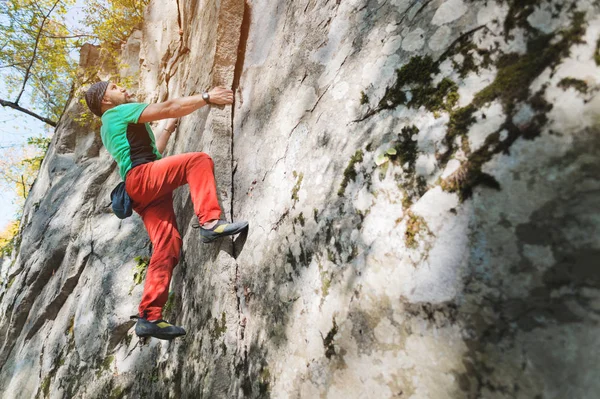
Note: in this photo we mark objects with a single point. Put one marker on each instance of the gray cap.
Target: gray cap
(94, 96)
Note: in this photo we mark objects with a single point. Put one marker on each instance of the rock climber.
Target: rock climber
(150, 180)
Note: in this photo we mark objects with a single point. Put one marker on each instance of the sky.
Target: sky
(16, 127)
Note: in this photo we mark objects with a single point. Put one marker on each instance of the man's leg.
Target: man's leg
(153, 180)
(159, 219)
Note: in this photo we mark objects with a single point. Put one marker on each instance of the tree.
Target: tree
(38, 74)
(19, 166)
(8, 238)
(112, 21)
(36, 43)
(34, 57)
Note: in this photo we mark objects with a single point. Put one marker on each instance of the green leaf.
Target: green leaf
(381, 159)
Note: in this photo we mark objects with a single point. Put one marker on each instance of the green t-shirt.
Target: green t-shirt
(130, 143)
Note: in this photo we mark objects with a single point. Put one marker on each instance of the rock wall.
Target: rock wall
(421, 183)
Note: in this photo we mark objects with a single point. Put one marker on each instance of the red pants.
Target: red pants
(150, 186)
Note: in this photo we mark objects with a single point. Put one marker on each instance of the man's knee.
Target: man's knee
(202, 156)
(169, 252)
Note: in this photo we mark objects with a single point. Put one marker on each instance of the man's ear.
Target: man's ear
(106, 101)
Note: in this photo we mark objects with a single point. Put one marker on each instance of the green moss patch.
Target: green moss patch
(466, 178)
(264, 381)
(577, 84)
(414, 225)
(511, 87)
(219, 328)
(517, 72)
(364, 99)
(328, 340)
(468, 50)
(325, 283)
(169, 305)
(406, 147)
(350, 171)
(46, 386)
(416, 78)
(11, 282)
(117, 393)
(299, 219)
(299, 177)
(105, 365)
(518, 12)
(70, 327)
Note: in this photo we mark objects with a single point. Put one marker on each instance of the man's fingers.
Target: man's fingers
(221, 95)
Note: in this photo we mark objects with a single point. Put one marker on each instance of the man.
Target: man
(150, 180)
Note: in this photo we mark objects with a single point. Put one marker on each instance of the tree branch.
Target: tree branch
(68, 37)
(12, 65)
(37, 40)
(24, 189)
(16, 106)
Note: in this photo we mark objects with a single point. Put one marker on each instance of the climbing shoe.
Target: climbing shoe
(160, 329)
(222, 228)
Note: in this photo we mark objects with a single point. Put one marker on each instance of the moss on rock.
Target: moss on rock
(416, 78)
(105, 365)
(219, 328)
(350, 171)
(577, 84)
(45, 387)
(299, 177)
(328, 340)
(117, 393)
(406, 148)
(413, 226)
(511, 87)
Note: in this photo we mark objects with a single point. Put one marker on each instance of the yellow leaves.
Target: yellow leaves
(10, 230)
(19, 167)
(37, 61)
(112, 21)
(8, 237)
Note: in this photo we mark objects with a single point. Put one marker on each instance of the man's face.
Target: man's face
(116, 95)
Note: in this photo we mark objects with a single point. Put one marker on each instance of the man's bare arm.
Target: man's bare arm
(163, 135)
(178, 107)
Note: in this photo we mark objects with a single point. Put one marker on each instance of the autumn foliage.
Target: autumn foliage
(39, 71)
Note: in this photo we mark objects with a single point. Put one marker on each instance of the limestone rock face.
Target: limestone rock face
(420, 179)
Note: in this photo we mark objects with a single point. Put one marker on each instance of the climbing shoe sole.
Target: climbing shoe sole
(221, 229)
(158, 329)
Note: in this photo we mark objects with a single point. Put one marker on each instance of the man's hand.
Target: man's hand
(182, 106)
(171, 125)
(221, 96)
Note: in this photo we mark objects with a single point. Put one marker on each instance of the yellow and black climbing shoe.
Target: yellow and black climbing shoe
(222, 228)
(160, 329)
